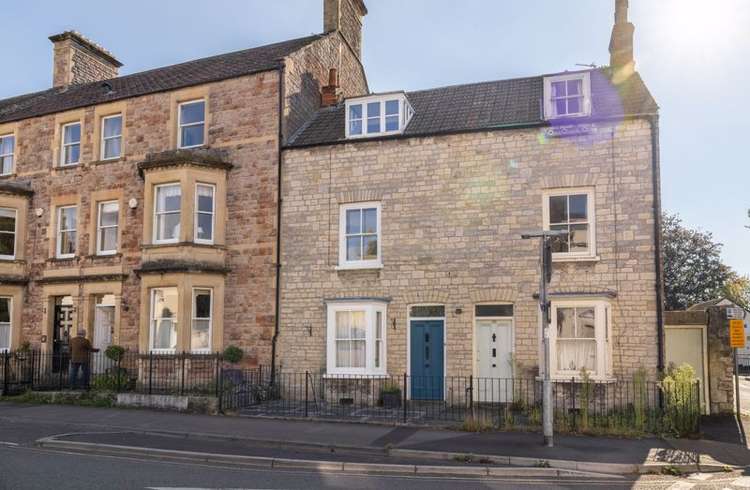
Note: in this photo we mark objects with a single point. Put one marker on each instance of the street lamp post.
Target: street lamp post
(545, 261)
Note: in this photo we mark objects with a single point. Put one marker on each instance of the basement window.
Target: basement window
(377, 115)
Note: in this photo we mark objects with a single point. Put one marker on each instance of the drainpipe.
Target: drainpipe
(654, 121)
(277, 320)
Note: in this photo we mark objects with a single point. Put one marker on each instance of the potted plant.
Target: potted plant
(233, 355)
(390, 395)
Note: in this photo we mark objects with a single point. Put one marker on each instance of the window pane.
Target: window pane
(391, 123)
(373, 125)
(199, 335)
(343, 320)
(586, 323)
(108, 239)
(566, 323)
(68, 243)
(192, 135)
(373, 109)
(202, 304)
(205, 198)
(109, 213)
(579, 238)
(391, 107)
(559, 243)
(370, 246)
(353, 224)
(8, 244)
(72, 154)
(67, 218)
(343, 359)
(558, 209)
(168, 198)
(574, 355)
(112, 127)
(370, 220)
(72, 133)
(165, 303)
(437, 311)
(560, 107)
(574, 87)
(6, 165)
(355, 111)
(204, 230)
(355, 127)
(165, 336)
(574, 105)
(358, 353)
(578, 207)
(192, 113)
(4, 310)
(168, 226)
(7, 145)
(112, 148)
(558, 89)
(494, 310)
(7, 219)
(354, 248)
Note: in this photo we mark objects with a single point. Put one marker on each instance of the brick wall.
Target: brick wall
(453, 209)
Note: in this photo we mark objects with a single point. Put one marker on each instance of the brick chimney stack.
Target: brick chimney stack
(80, 60)
(346, 17)
(329, 94)
(621, 43)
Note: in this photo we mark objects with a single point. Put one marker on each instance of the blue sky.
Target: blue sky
(691, 53)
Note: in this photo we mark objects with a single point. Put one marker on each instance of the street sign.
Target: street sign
(737, 334)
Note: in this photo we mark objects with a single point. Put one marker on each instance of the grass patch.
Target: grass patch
(82, 398)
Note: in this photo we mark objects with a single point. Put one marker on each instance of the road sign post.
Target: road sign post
(736, 341)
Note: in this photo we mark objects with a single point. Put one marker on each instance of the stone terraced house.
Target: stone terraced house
(402, 219)
(143, 208)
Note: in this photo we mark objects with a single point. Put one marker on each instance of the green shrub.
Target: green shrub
(681, 400)
(115, 352)
(390, 389)
(640, 402)
(233, 354)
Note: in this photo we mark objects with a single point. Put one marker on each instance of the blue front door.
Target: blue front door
(427, 359)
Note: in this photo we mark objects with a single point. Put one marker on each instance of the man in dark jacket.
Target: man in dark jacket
(80, 356)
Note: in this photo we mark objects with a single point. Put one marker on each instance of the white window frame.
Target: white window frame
(210, 319)
(100, 227)
(155, 215)
(370, 308)
(60, 231)
(590, 220)
(376, 263)
(11, 155)
(602, 336)
(404, 115)
(180, 125)
(105, 139)
(9, 323)
(198, 212)
(64, 145)
(15, 235)
(549, 103)
(153, 320)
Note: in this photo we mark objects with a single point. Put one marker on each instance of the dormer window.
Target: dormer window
(567, 95)
(377, 115)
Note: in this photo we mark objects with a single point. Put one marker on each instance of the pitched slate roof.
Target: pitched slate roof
(486, 106)
(215, 68)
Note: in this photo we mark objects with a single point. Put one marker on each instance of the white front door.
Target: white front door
(494, 360)
(104, 325)
(685, 345)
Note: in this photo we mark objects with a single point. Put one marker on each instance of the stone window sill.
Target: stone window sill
(108, 160)
(574, 258)
(65, 168)
(358, 267)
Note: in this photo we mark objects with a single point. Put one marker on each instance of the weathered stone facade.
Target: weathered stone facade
(453, 210)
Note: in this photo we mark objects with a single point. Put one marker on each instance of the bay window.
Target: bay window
(7, 234)
(356, 338)
(204, 213)
(579, 335)
(164, 315)
(200, 329)
(377, 115)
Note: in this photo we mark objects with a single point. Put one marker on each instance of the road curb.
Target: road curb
(302, 464)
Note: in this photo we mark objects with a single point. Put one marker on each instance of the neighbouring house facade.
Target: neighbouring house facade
(143, 208)
(402, 219)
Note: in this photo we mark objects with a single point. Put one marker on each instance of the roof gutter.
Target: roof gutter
(277, 320)
(655, 177)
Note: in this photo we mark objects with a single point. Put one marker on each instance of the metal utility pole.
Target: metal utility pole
(545, 261)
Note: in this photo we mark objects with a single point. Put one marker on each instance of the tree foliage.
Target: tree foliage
(693, 270)
(737, 290)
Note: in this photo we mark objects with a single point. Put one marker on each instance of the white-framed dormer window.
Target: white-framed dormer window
(191, 123)
(572, 211)
(70, 152)
(377, 115)
(67, 220)
(167, 212)
(356, 338)
(204, 213)
(567, 95)
(164, 315)
(579, 336)
(107, 223)
(200, 328)
(7, 233)
(6, 312)
(111, 137)
(359, 236)
(7, 153)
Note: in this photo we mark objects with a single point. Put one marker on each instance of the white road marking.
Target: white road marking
(8, 444)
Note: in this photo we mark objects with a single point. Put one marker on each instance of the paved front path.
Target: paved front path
(578, 448)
